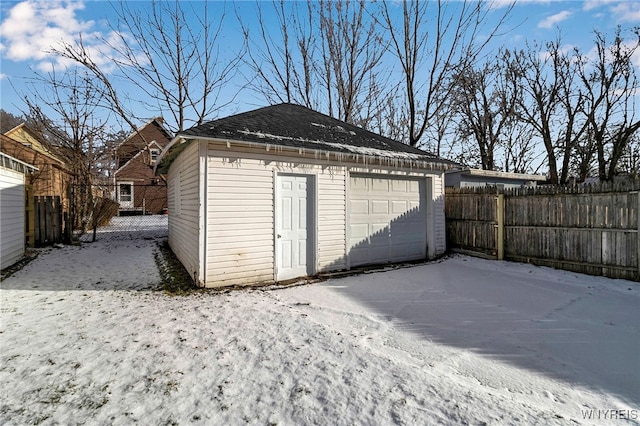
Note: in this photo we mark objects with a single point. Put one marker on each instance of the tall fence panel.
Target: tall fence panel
(593, 230)
(48, 221)
(471, 220)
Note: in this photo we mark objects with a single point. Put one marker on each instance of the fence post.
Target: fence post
(57, 220)
(38, 230)
(638, 235)
(30, 223)
(500, 220)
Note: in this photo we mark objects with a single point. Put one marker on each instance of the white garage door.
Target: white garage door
(387, 220)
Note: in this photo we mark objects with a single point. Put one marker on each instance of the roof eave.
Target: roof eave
(434, 163)
(497, 174)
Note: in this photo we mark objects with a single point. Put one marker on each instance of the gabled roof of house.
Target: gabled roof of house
(138, 154)
(295, 126)
(158, 121)
(29, 138)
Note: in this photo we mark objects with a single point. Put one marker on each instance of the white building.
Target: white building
(284, 192)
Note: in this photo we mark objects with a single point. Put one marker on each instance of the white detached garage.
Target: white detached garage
(284, 192)
(12, 209)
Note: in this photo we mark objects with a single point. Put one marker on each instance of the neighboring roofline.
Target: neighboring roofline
(13, 128)
(441, 164)
(28, 129)
(61, 164)
(497, 174)
(43, 143)
(158, 120)
(139, 153)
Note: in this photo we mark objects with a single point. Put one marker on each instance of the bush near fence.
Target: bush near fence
(591, 229)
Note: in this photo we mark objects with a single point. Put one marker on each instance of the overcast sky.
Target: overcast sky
(30, 28)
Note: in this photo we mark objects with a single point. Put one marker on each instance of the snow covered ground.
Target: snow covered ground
(85, 338)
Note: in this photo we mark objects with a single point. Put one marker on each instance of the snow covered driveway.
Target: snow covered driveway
(85, 339)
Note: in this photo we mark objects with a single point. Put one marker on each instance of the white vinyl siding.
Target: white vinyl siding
(11, 217)
(239, 222)
(184, 204)
(240, 218)
(438, 215)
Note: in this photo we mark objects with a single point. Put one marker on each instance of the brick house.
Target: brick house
(137, 189)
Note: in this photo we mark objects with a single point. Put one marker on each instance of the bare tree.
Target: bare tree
(583, 159)
(630, 161)
(65, 107)
(611, 89)
(540, 75)
(283, 63)
(433, 39)
(326, 56)
(352, 49)
(173, 60)
(8, 121)
(384, 114)
(485, 101)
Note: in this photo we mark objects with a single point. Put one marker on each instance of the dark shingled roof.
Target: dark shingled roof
(299, 127)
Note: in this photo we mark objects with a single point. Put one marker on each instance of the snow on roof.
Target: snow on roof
(295, 126)
(340, 146)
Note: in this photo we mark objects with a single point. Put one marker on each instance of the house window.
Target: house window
(126, 192)
(154, 155)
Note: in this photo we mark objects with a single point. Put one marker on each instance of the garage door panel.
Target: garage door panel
(415, 250)
(359, 207)
(401, 229)
(399, 207)
(359, 183)
(392, 227)
(408, 237)
(359, 255)
(359, 232)
(380, 185)
(399, 185)
(377, 229)
(380, 207)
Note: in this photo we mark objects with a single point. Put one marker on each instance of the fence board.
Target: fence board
(47, 227)
(594, 230)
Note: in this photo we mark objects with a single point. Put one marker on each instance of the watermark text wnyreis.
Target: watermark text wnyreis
(593, 414)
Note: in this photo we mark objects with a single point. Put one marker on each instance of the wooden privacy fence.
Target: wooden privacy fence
(591, 229)
(44, 220)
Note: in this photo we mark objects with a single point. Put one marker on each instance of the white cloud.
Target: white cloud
(32, 28)
(620, 11)
(498, 4)
(635, 58)
(626, 12)
(553, 20)
(594, 4)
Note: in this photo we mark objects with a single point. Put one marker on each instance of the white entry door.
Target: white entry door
(294, 219)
